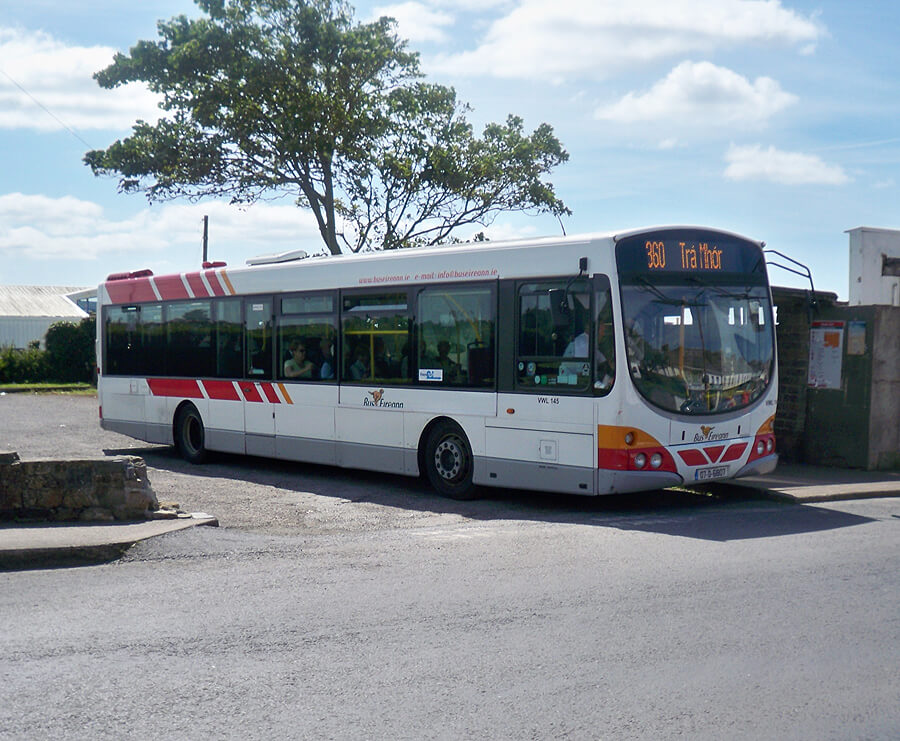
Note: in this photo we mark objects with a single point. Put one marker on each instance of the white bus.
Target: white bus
(594, 364)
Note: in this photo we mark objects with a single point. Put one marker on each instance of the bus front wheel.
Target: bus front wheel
(448, 461)
(190, 435)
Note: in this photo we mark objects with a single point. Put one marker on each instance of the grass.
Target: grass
(75, 389)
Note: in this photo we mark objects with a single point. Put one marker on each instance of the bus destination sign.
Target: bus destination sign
(688, 251)
(693, 255)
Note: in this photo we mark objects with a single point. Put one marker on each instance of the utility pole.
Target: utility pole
(205, 237)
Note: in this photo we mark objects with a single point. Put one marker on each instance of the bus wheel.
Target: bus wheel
(189, 434)
(448, 461)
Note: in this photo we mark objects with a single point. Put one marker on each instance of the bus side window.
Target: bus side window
(229, 338)
(605, 352)
(455, 335)
(375, 336)
(554, 340)
(258, 336)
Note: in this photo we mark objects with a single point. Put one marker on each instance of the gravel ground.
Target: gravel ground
(279, 497)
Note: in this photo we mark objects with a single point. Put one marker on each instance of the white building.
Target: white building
(26, 312)
(874, 266)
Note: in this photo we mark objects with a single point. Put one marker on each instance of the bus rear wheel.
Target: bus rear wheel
(448, 461)
(189, 434)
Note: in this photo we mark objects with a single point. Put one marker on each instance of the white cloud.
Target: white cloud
(501, 231)
(704, 95)
(470, 5)
(594, 38)
(38, 227)
(416, 22)
(787, 168)
(37, 67)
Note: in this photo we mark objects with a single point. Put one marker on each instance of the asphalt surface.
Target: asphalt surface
(273, 497)
(339, 604)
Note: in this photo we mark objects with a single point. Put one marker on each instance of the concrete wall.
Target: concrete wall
(884, 424)
(858, 424)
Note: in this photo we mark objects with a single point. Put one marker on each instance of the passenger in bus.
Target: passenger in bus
(298, 365)
(578, 347)
(605, 359)
(383, 365)
(359, 369)
(327, 369)
(447, 364)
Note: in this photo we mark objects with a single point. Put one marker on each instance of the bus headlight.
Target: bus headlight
(640, 460)
(770, 445)
(655, 460)
(760, 447)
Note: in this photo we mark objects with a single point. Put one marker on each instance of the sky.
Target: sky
(775, 119)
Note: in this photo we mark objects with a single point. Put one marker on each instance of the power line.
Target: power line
(47, 110)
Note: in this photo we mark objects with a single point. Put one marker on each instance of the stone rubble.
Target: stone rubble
(87, 490)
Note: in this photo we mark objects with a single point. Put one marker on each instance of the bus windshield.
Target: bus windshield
(695, 347)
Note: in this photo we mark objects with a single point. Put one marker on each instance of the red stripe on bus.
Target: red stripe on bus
(250, 393)
(171, 286)
(214, 282)
(713, 452)
(612, 459)
(181, 387)
(693, 457)
(196, 283)
(128, 291)
(270, 393)
(734, 452)
(221, 390)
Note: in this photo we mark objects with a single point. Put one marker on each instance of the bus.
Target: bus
(597, 364)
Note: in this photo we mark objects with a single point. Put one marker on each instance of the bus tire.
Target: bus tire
(190, 436)
(449, 462)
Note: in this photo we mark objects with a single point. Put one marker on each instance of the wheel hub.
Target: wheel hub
(448, 459)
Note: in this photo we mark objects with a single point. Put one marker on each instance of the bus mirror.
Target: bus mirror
(559, 307)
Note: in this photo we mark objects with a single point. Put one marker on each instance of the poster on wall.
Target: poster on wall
(856, 338)
(826, 347)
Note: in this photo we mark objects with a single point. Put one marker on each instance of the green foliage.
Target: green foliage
(295, 97)
(70, 353)
(22, 366)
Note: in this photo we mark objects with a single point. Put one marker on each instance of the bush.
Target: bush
(23, 366)
(70, 351)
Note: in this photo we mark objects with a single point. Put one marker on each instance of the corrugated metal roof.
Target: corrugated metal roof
(32, 301)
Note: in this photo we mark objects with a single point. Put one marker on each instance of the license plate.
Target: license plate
(704, 474)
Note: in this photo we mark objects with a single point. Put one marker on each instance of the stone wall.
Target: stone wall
(92, 489)
(795, 312)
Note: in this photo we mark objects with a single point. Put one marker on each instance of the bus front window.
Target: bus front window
(696, 348)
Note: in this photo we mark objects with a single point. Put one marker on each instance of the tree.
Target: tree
(275, 97)
(70, 350)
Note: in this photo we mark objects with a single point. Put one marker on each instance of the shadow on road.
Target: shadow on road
(735, 514)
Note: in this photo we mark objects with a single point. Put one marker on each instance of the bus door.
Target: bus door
(306, 367)
(545, 423)
(259, 412)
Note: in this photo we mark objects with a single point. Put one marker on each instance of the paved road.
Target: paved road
(342, 605)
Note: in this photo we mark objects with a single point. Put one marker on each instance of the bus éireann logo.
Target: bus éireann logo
(378, 400)
(706, 435)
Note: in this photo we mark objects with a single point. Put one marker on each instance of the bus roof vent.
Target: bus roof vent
(278, 257)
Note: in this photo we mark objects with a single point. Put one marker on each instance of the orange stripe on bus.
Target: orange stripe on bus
(768, 427)
(612, 437)
(284, 393)
(227, 282)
